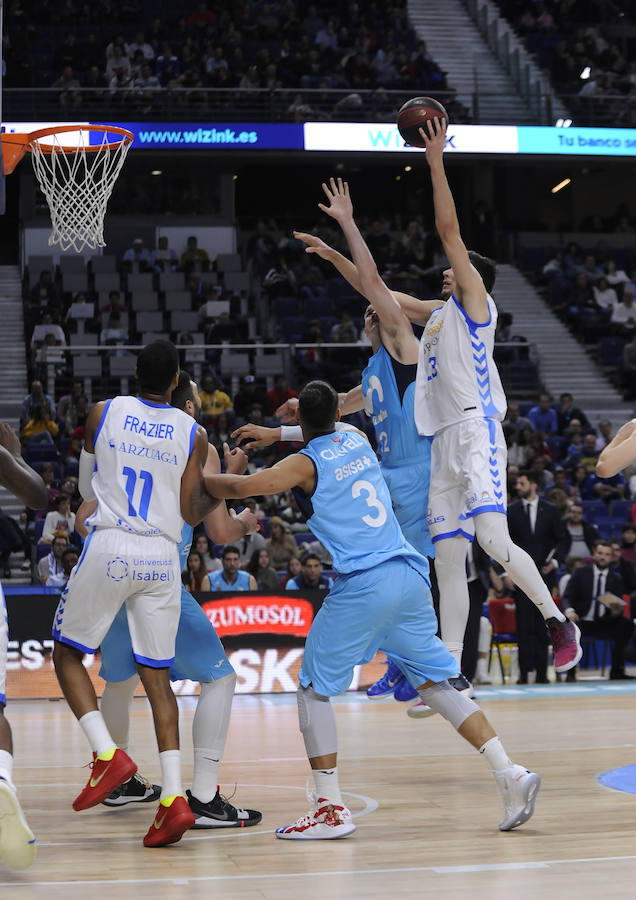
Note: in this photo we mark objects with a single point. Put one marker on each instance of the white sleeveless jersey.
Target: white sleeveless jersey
(141, 451)
(457, 378)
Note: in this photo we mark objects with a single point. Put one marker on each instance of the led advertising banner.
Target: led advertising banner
(363, 137)
(263, 634)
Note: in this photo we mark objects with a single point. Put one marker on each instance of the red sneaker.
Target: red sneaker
(107, 775)
(171, 822)
(566, 643)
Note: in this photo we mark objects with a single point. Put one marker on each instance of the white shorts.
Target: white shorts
(115, 568)
(468, 477)
(4, 647)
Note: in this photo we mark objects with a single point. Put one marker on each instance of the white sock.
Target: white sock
(115, 708)
(96, 732)
(170, 773)
(6, 766)
(327, 787)
(209, 734)
(496, 755)
(482, 668)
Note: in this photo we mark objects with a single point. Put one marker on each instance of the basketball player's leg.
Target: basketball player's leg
(153, 619)
(199, 656)
(427, 663)
(346, 631)
(494, 537)
(17, 843)
(81, 622)
(119, 671)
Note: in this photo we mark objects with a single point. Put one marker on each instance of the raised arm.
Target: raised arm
(16, 475)
(396, 328)
(619, 453)
(470, 290)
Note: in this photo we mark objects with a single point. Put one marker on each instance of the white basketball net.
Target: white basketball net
(78, 185)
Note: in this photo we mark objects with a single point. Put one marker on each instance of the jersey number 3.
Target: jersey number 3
(131, 483)
(375, 521)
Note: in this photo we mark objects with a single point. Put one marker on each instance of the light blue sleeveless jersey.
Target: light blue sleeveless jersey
(405, 455)
(184, 544)
(392, 415)
(350, 509)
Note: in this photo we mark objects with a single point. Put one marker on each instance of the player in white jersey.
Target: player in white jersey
(459, 399)
(143, 463)
(17, 843)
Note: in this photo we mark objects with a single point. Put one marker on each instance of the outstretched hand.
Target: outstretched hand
(257, 435)
(287, 412)
(235, 460)
(9, 439)
(337, 193)
(434, 136)
(314, 244)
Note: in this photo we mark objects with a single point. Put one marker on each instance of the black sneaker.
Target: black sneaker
(219, 813)
(463, 685)
(137, 790)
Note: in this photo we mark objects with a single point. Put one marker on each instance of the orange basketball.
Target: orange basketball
(414, 115)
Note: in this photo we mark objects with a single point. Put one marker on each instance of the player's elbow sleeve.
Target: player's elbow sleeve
(86, 470)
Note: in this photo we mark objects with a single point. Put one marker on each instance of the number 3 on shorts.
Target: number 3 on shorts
(371, 500)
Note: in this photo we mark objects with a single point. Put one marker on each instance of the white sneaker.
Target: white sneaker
(482, 678)
(322, 823)
(518, 788)
(17, 842)
(420, 710)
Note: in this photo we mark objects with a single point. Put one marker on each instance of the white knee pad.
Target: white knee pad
(317, 722)
(449, 703)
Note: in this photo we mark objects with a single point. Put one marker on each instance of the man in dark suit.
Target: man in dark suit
(588, 583)
(478, 577)
(535, 525)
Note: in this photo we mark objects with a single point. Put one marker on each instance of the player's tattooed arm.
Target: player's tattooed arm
(196, 502)
(223, 525)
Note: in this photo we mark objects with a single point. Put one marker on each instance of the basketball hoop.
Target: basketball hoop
(75, 175)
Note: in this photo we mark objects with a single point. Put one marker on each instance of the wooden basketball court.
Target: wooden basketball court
(425, 805)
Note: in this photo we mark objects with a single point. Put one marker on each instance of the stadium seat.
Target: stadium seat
(503, 617)
(611, 351)
(285, 306)
(103, 264)
(622, 509)
(171, 281)
(593, 508)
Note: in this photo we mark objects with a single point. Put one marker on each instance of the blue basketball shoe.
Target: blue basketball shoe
(387, 684)
(404, 691)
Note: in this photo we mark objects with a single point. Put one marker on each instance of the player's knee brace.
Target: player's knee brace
(449, 703)
(317, 722)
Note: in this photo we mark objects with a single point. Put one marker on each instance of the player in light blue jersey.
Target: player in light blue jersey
(199, 656)
(375, 604)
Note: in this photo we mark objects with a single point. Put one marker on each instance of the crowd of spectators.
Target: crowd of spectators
(594, 292)
(140, 57)
(586, 51)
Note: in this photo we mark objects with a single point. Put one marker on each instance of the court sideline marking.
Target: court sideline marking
(438, 870)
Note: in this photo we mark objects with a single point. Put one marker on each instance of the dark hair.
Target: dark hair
(183, 391)
(566, 394)
(253, 565)
(628, 526)
(61, 498)
(229, 548)
(70, 549)
(602, 542)
(318, 405)
(486, 267)
(309, 555)
(532, 476)
(157, 364)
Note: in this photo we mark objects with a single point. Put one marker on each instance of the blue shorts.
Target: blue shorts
(408, 487)
(380, 609)
(199, 654)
